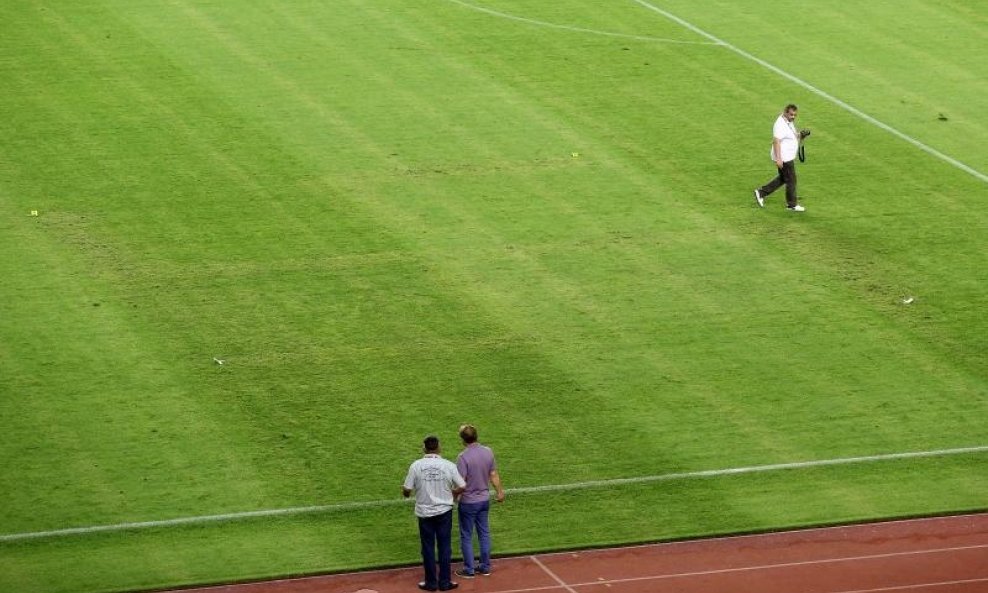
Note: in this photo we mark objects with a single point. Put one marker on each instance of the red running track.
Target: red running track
(934, 555)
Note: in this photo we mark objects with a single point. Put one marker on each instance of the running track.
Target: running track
(935, 555)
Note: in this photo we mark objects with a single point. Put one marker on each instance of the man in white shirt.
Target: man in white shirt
(785, 145)
(435, 482)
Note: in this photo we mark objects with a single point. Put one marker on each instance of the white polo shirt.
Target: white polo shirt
(433, 479)
(785, 132)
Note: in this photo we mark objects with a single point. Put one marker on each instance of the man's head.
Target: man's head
(431, 444)
(790, 112)
(468, 432)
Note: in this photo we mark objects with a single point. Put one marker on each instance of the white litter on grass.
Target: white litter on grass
(218, 360)
(908, 300)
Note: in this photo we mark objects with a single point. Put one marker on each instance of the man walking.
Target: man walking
(785, 145)
(477, 466)
(435, 482)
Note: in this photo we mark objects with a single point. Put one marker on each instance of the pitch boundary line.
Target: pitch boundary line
(360, 505)
(548, 25)
(750, 469)
(819, 92)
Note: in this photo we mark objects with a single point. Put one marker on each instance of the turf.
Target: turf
(388, 218)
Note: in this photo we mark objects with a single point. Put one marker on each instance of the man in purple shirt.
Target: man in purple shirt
(477, 466)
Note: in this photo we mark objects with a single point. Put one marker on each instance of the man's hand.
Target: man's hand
(496, 480)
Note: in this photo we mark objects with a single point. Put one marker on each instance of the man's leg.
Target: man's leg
(444, 533)
(788, 173)
(467, 515)
(484, 535)
(427, 533)
(772, 185)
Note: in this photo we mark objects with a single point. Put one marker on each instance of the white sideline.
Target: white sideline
(928, 149)
(752, 469)
(348, 506)
(547, 25)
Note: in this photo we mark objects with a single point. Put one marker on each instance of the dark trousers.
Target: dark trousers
(787, 177)
(435, 532)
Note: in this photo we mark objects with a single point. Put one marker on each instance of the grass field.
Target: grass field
(388, 217)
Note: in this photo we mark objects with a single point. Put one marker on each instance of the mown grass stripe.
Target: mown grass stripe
(360, 505)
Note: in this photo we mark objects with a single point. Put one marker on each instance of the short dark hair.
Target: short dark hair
(791, 107)
(468, 432)
(431, 443)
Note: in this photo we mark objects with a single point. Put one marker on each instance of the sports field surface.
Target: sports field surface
(254, 250)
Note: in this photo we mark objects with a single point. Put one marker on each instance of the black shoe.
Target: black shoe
(463, 574)
(427, 587)
(449, 587)
(485, 571)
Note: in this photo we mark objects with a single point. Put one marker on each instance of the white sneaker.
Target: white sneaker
(759, 199)
(796, 208)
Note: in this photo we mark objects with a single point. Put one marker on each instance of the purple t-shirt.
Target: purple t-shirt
(475, 464)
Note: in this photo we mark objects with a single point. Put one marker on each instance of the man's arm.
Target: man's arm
(408, 486)
(496, 480)
(459, 484)
(777, 151)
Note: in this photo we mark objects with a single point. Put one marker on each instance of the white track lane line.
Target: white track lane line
(754, 568)
(916, 586)
(758, 567)
(747, 536)
(913, 586)
(555, 577)
(925, 148)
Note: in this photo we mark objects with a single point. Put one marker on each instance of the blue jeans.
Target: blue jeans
(475, 514)
(435, 532)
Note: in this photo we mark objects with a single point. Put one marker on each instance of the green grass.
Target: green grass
(372, 213)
